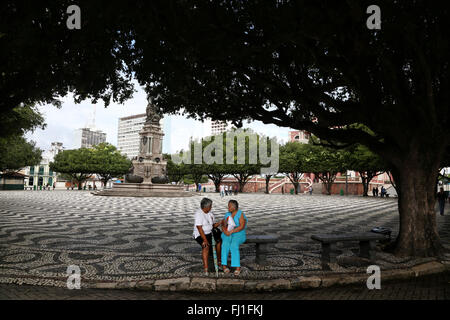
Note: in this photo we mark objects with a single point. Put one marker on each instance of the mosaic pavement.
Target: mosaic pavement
(119, 238)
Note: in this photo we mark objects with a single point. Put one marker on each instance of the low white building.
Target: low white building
(41, 175)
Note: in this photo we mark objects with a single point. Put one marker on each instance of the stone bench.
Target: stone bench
(366, 243)
(262, 242)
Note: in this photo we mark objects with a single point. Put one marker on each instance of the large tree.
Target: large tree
(300, 64)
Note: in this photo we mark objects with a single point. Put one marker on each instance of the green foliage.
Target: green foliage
(107, 162)
(19, 120)
(80, 164)
(16, 152)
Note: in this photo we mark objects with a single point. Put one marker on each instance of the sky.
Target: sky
(62, 123)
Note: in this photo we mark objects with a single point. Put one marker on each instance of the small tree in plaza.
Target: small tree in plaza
(324, 162)
(175, 172)
(75, 163)
(366, 163)
(292, 162)
(107, 162)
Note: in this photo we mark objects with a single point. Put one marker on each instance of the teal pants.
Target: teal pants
(231, 244)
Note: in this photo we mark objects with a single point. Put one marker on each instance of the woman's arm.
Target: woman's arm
(202, 234)
(241, 224)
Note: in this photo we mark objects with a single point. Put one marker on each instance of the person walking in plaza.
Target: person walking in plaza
(236, 190)
(310, 190)
(373, 191)
(233, 235)
(203, 231)
(222, 191)
(441, 197)
(226, 190)
(376, 191)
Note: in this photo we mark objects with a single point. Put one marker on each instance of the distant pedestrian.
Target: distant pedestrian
(226, 190)
(222, 191)
(310, 190)
(383, 191)
(236, 190)
(441, 197)
(54, 185)
(376, 191)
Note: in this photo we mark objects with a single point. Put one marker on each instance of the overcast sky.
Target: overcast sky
(62, 123)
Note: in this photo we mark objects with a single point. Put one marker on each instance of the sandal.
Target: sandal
(237, 272)
(225, 269)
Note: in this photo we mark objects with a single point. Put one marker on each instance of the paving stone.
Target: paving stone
(179, 284)
(428, 268)
(203, 285)
(306, 282)
(272, 285)
(231, 285)
(105, 285)
(145, 285)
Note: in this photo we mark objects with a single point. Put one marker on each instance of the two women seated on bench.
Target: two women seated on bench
(228, 240)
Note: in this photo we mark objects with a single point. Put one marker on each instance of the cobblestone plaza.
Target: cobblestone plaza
(119, 238)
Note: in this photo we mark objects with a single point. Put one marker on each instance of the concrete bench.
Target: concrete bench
(262, 242)
(366, 243)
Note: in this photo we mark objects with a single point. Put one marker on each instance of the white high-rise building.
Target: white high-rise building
(128, 134)
(87, 138)
(218, 126)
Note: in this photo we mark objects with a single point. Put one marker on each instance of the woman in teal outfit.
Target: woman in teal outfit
(231, 240)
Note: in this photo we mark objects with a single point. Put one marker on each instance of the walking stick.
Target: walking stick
(216, 266)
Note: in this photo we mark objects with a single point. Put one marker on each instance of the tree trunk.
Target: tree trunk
(418, 234)
(365, 182)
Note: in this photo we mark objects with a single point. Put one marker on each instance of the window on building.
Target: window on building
(31, 170)
(41, 170)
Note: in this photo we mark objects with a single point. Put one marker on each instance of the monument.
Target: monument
(148, 176)
(150, 163)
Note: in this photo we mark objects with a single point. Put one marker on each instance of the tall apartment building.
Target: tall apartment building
(128, 134)
(87, 138)
(218, 127)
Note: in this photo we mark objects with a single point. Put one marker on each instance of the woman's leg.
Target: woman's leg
(205, 253)
(235, 254)
(225, 250)
(218, 251)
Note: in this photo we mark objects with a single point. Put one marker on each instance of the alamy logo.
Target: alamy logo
(74, 20)
(74, 279)
(374, 281)
(374, 20)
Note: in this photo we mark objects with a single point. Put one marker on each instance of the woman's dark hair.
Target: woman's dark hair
(234, 203)
(205, 203)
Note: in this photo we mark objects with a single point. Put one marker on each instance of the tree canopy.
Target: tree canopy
(16, 153)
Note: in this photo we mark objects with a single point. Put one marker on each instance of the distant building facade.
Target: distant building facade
(41, 174)
(299, 136)
(87, 138)
(218, 127)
